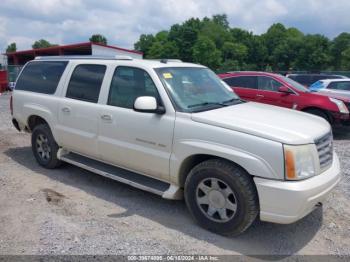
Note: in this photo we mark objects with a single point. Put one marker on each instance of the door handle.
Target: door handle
(106, 117)
(66, 109)
(260, 95)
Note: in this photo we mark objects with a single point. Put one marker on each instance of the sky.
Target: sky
(123, 21)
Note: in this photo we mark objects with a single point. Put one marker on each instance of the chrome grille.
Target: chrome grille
(324, 147)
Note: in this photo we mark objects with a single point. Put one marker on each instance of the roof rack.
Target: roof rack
(166, 60)
(117, 57)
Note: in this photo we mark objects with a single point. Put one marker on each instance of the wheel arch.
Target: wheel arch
(191, 161)
(34, 120)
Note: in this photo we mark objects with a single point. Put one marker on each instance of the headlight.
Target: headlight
(340, 104)
(300, 161)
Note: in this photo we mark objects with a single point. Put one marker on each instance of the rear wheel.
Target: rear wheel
(221, 197)
(44, 147)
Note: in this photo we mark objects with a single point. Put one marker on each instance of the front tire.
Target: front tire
(221, 197)
(44, 147)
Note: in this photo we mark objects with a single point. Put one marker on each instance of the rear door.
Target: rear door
(78, 115)
(268, 93)
(244, 86)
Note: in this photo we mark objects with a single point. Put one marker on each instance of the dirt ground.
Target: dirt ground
(72, 211)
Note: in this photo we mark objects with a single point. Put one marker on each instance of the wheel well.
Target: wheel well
(194, 160)
(329, 116)
(33, 121)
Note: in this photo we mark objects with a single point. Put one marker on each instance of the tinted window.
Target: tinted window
(41, 77)
(304, 79)
(128, 83)
(268, 84)
(85, 82)
(340, 85)
(242, 81)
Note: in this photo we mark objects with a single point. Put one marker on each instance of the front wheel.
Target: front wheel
(221, 197)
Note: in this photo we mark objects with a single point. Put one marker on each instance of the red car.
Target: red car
(279, 90)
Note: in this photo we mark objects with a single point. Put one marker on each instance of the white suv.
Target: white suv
(175, 129)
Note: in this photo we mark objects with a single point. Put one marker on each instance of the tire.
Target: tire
(319, 113)
(228, 177)
(44, 147)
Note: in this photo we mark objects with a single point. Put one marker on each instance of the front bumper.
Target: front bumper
(285, 202)
(339, 118)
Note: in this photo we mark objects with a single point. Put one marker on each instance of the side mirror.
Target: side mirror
(284, 89)
(148, 104)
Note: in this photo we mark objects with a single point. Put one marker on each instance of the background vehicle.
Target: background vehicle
(3, 81)
(333, 86)
(176, 130)
(281, 91)
(309, 79)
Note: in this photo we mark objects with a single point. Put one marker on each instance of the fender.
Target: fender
(31, 109)
(253, 164)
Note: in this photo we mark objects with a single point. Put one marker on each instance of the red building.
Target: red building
(88, 48)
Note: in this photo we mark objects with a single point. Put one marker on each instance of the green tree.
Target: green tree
(163, 50)
(99, 39)
(206, 53)
(221, 20)
(144, 44)
(345, 60)
(314, 54)
(185, 37)
(212, 42)
(339, 45)
(11, 48)
(42, 43)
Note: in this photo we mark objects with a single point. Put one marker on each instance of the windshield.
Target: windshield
(295, 84)
(196, 89)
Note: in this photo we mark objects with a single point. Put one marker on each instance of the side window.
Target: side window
(41, 77)
(268, 84)
(242, 81)
(127, 84)
(85, 82)
(340, 85)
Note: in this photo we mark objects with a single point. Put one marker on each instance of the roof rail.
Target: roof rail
(166, 60)
(117, 57)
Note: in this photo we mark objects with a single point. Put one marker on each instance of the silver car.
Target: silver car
(338, 87)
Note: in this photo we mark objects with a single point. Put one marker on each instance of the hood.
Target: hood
(338, 94)
(270, 122)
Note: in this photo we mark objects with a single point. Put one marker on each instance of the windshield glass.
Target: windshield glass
(196, 89)
(295, 84)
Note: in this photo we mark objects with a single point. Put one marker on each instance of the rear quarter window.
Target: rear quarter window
(41, 77)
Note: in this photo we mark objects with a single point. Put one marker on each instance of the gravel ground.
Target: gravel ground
(72, 211)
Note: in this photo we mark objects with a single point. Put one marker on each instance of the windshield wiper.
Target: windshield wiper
(228, 102)
(224, 103)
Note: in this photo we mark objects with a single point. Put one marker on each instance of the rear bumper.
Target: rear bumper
(285, 202)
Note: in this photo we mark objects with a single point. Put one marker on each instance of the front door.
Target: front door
(140, 142)
(268, 93)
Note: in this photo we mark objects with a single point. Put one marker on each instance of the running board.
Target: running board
(142, 182)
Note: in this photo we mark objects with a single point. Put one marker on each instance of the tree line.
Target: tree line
(212, 42)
